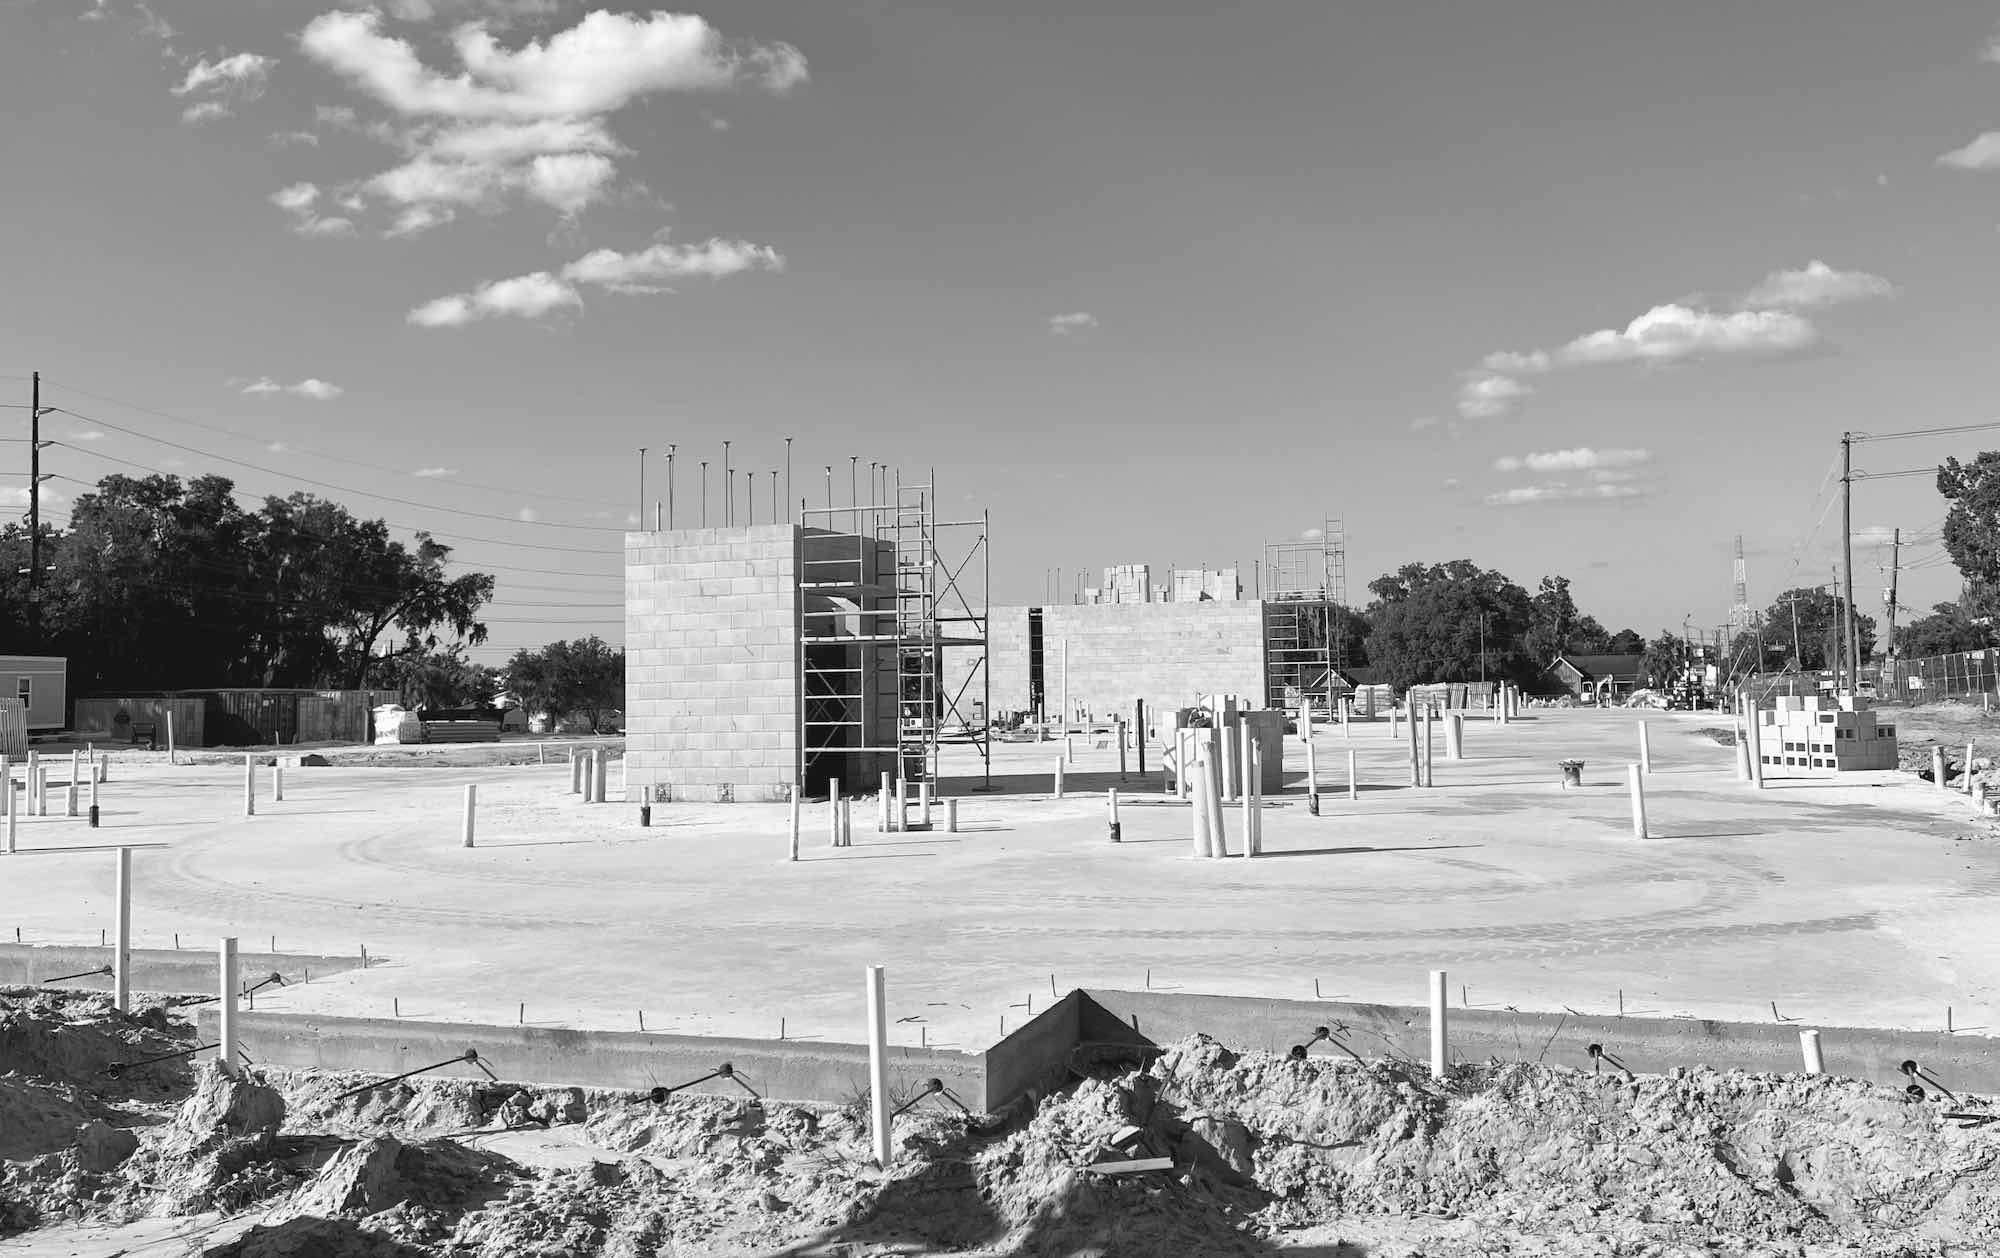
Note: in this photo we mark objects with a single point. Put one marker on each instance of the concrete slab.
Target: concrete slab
(1856, 902)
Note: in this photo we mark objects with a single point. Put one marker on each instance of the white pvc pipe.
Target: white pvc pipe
(792, 851)
(225, 1048)
(878, 1068)
(1353, 779)
(1312, 770)
(1439, 1036)
(833, 811)
(471, 806)
(951, 816)
(924, 802)
(603, 772)
(1809, 1049)
(1937, 768)
(249, 786)
(1198, 812)
(1645, 750)
(13, 810)
(121, 957)
(882, 809)
(1968, 768)
(278, 783)
(1635, 776)
(1454, 736)
(1059, 779)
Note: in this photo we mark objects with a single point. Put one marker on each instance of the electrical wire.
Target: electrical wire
(246, 494)
(332, 458)
(1922, 432)
(344, 489)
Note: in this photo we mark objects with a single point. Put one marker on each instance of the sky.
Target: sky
(1556, 287)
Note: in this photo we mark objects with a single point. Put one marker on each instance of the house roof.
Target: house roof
(1599, 667)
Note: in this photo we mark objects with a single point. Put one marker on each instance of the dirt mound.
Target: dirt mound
(76, 1037)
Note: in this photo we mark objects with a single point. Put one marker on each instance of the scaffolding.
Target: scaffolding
(880, 605)
(1305, 632)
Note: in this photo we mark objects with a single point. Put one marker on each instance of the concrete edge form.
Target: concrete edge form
(1964, 1063)
(184, 971)
(780, 1070)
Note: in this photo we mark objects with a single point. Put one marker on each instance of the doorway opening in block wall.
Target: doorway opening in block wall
(1035, 661)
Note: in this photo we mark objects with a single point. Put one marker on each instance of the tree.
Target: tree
(1820, 627)
(1625, 642)
(582, 678)
(436, 679)
(1428, 624)
(1946, 631)
(1552, 619)
(1972, 528)
(161, 584)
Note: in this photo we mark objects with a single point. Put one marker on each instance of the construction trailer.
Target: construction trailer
(41, 684)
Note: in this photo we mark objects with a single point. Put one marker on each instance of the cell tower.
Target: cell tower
(1739, 611)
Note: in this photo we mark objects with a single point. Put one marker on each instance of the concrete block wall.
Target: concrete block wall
(1169, 654)
(712, 662)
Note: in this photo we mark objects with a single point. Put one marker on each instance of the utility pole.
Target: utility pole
(1798, 660)
(642, 487)
(1851, 637)
(35, 503)
(670, 485)
(1895, 570)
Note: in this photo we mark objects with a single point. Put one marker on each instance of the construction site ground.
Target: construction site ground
(1861, 900)
(1857, 901)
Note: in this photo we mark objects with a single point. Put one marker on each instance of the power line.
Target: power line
(343, 489)
(332, 458)
(1923, 432)
(243, 493)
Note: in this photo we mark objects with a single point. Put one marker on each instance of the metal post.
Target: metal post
(278, 783)
(878, 1068)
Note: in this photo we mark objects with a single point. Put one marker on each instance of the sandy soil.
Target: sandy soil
(1862, 901)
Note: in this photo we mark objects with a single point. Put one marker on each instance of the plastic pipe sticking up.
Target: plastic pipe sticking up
(121, 957)
(1809, 1049)
(1645, 750)
(249, 786)
(1635, 776)
(878, 1069)
(225, 1047)
(833, 811)
(1439, 1036)
(471, 807)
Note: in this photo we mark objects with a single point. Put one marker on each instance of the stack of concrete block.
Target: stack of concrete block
(1809, 732)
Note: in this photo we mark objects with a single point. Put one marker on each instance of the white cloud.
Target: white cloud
(277, 447)
(420, 218)
(1075, 321)
(531, 296)
(528, 296)
(529, 515)
(1451, 482)
(1580, 459)
(504, 11)
(1559, 491)
(645, 270)
(1816, 285)
(1982, 154)
(17, 496)
(298, 201)
(432, 473)
(526, 123)
(1421, 422)
(569, 181)
(596, 67)
(295, 198)
(335, 115)
(317, 390)
(206, 111)
(1606, 477)
(1313, 535)
(284, 138)
(716, 122)
(1530, 363)
(87, 434)
(1875, 535)
(243, 75)
(1672, 332)
(1483, 395)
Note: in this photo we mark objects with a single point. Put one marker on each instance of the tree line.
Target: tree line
(162, 584)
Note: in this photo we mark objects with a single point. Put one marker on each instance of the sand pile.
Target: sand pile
(1260, 1154)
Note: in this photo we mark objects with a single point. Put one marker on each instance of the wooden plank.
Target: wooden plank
(1132, 1167)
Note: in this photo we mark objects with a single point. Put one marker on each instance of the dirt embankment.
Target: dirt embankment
(1255, 1154)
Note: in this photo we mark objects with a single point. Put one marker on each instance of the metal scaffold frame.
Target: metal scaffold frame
(899, 621)
(1304, 579)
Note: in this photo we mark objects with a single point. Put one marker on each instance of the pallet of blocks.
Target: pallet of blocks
(1812, 732)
